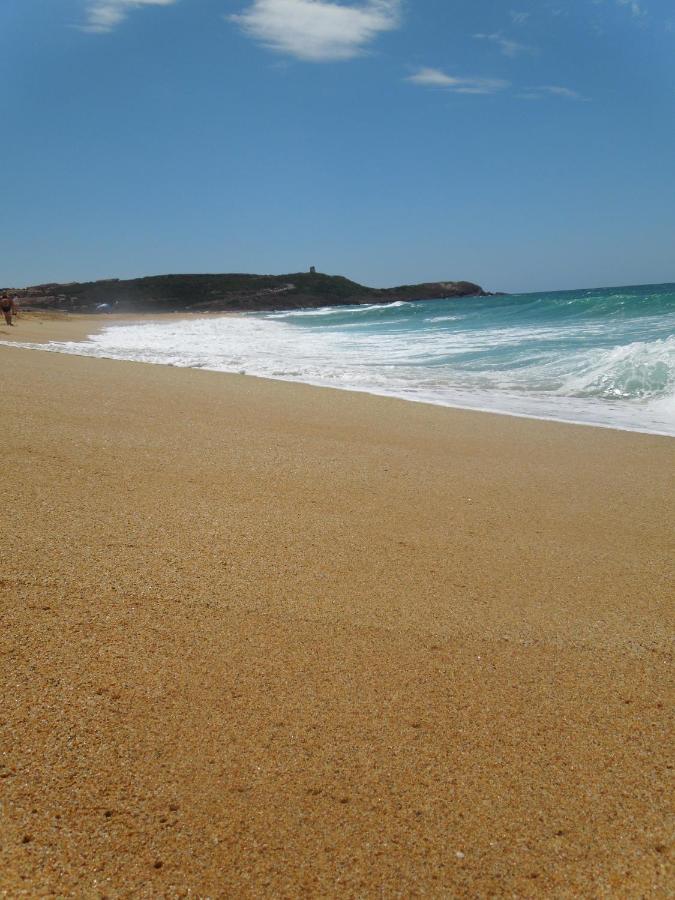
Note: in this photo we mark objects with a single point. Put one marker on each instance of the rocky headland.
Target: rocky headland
(231, 292)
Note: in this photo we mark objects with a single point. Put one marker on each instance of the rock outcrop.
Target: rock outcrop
(202, 293)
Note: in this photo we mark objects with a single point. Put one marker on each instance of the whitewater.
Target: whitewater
(597, 357)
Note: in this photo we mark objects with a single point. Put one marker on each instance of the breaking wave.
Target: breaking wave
(603, 357)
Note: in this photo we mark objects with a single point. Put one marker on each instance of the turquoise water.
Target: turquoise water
(602, 357)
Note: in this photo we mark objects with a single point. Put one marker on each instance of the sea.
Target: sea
(597, 357)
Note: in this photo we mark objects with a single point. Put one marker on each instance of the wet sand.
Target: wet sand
(267, 640)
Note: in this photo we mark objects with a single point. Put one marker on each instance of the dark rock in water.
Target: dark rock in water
(218, 293)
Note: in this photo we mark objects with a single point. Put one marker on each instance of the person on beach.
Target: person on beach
(8, 307)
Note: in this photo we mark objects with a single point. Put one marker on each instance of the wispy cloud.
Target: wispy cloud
(318, 30)
(436, 78)
(519, 18)
(507, 46)
(552, 90)
(104, 15)
(635, 7)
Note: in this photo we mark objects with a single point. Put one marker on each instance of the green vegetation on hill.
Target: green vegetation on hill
(198, 293)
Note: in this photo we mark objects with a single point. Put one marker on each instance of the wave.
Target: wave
(336, 310)
(552, 356)
(639, 371)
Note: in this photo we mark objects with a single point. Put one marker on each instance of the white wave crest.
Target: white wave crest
(564, 373)
(640, 370)
(335, 310)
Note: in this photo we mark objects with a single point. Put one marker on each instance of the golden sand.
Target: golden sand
(40, 326)
(268, 640)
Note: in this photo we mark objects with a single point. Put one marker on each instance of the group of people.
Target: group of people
(9, 307)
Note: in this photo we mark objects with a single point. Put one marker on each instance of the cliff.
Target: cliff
(201, 293)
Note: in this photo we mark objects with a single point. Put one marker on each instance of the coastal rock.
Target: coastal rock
(235, 292)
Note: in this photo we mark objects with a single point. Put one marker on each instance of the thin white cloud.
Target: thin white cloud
(507, 46)
(559, 91)
(635, 7)
(436, 78)
(318, 30)
(519, 18)
(552, 90)
(104, 15)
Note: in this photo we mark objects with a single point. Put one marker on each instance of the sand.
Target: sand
(267, 640)
(41, 326)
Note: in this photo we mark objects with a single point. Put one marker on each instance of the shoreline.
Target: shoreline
(264, 640)
(79, 326)
(66, 323)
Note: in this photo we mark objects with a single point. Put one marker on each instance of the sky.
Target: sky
(522, 144)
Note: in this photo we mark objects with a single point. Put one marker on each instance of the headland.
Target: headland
(232, 292)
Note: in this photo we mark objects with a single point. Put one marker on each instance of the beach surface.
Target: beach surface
(44, 325)
(261, 639)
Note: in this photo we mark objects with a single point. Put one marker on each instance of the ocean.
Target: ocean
(599, 357)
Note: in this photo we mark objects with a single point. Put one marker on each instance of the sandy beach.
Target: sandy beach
(267, 640)
(41, 326)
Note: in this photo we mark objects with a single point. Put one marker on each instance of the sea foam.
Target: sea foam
(595, 357)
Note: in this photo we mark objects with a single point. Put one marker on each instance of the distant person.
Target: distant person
(8, 307)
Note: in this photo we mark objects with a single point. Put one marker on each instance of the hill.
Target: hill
(202, 293)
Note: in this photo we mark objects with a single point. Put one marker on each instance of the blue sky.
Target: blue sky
(523, 145)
